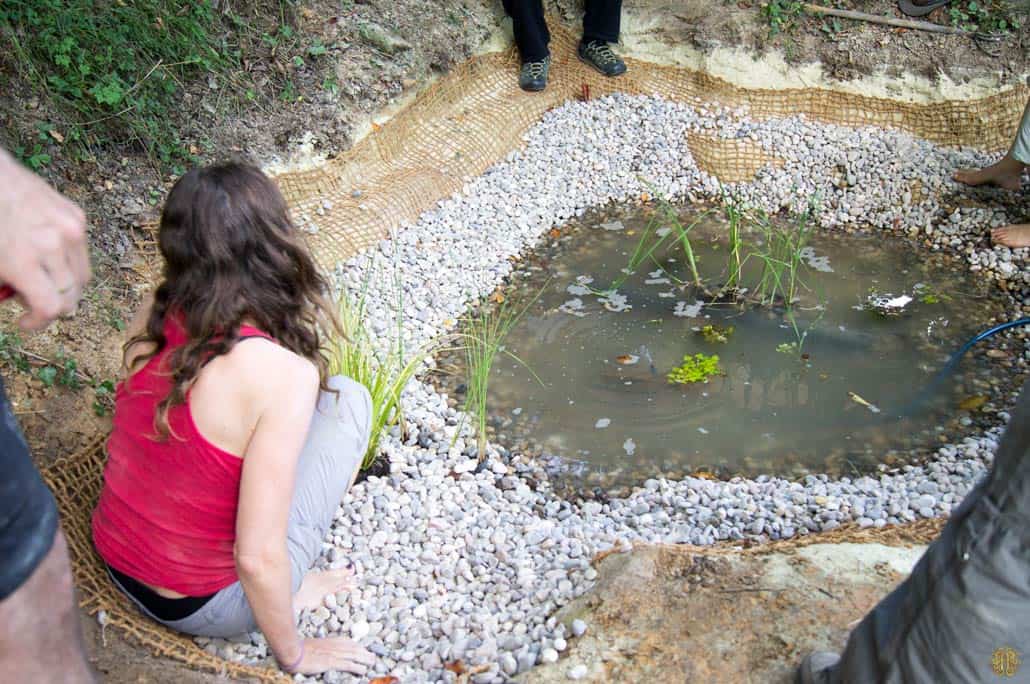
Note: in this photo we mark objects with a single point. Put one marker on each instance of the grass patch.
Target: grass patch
(115, 69)
(133, 75)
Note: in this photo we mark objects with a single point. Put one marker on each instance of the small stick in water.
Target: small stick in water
(859, 400)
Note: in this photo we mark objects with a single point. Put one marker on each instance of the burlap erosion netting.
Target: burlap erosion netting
(454, 131)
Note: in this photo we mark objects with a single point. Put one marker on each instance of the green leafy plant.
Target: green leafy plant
(383, 373)
(696, 368)
(717, 334)
(928, 294)
(103, 397)
(986, 16)
(781, 15)
(790, 348)
(11, 352)
(114, 68)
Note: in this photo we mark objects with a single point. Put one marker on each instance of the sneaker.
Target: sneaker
(599, 55)
(813, 668)
(533, 75)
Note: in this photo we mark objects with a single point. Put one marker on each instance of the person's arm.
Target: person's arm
(43, 252)
(266, 490)
(285, 388)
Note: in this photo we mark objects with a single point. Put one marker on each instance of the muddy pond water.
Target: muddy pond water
(832, 391)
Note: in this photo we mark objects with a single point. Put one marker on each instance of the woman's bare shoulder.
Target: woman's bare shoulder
(268, 367)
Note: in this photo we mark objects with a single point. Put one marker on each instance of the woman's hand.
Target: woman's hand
(334, 653)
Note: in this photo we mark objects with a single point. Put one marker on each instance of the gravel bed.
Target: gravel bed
(465, 561)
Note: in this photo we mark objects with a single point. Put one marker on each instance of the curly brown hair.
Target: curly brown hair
(231, 254)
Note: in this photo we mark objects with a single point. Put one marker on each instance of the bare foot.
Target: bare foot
(318, 584)
(1007, 174)
(1012, 236)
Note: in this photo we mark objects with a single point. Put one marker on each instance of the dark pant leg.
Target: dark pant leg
(965, 609)
(28, 514)
(601, 21)
(531, 34)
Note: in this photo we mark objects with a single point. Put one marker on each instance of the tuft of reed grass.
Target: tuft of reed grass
(384, 373)
(483, 341)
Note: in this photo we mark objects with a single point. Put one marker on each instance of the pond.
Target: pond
(829, 384)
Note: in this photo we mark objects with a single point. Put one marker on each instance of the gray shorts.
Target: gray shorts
(331, 456)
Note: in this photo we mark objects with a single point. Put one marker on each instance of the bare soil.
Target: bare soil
(120, 188)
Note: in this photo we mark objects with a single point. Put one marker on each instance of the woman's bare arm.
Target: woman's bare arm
(288, 387)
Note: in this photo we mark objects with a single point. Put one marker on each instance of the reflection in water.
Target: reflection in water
(604, 371)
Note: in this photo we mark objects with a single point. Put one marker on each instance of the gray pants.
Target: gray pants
(963, 615)
(331, 456)
(1021, 145)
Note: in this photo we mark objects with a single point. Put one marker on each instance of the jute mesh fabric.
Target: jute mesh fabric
(454, 131)
(475, 116)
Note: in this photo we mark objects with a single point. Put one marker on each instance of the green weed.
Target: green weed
(103, 397)
(985, 16)
(696, 368)
(781, 15)
(384, 374)
(114, 68)
(717, 334)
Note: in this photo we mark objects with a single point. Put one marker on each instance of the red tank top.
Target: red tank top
(167, 512)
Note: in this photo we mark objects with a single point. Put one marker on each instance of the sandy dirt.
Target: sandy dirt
(669, 614)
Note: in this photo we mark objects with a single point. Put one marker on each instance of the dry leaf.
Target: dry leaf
(388, 679)
(497, 297)
(627, 359)
(376, 127)
(972, 403)
(554, 233)
(55, 135)
(704, 475)
(457, 667)
(645, 197)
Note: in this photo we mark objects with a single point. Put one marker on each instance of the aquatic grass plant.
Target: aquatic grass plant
(781, 256)
(384, 373)
(696, 368)
(483, 341)
(653, 240)
(735, 217)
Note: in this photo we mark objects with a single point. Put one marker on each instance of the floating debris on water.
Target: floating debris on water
(702, 431)
(602, 423)
(573, 307)
(814, 261)
(629, 446)
(684, 310)
(516, 411)
(613, 225)
(642, 350)
(663, 231)
(627, 359)
(886, 304)
(862, 402)
(578, 290)
(615, 302)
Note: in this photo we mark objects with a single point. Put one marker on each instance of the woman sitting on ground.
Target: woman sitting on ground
(231, 448)
(1008, 174)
